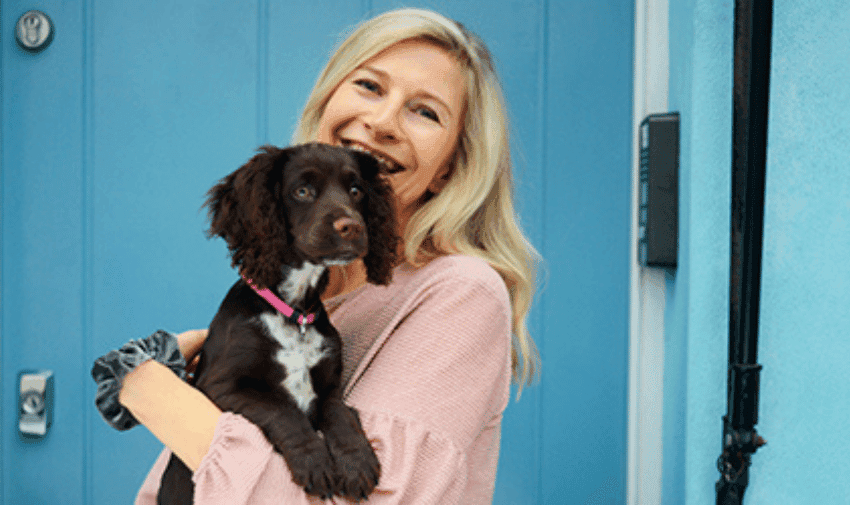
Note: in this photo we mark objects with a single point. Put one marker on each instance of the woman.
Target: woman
(428, 359)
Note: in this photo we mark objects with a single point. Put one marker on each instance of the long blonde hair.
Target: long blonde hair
(474, 212)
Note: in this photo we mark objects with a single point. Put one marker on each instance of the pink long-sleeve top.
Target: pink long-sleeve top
(427, 365)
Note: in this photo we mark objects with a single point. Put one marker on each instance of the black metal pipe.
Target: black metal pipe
(753, 29)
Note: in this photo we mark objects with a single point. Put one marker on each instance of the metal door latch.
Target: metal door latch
(35, 403)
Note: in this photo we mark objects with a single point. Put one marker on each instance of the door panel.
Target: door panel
(42, 169)
(174, 109)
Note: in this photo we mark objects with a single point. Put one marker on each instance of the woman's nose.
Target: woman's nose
(383, 119)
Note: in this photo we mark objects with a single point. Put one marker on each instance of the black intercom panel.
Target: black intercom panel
(658, 233)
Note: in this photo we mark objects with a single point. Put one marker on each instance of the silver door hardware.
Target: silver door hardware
(34, 31)
(35, 403)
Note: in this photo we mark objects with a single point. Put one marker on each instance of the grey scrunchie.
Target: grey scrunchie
(110, 369)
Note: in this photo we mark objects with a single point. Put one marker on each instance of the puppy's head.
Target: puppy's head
(312, 202)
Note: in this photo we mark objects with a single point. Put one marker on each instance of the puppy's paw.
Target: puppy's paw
(357, 471)
(314, 470)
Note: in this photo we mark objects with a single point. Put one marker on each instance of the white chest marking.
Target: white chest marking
(298, 354)
(296, 282)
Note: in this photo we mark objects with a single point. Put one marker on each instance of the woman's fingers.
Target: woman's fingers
(190, 343)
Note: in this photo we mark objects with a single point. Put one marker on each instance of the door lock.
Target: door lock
(34, 31)
(35, 403)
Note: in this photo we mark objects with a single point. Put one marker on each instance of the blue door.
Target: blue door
(114, 132)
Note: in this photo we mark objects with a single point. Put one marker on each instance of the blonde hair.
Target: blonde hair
(473, 214)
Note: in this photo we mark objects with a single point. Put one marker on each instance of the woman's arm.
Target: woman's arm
(180, 416)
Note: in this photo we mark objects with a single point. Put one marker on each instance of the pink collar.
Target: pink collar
(295, 316)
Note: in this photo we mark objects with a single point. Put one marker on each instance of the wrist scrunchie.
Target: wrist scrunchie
(110, 369)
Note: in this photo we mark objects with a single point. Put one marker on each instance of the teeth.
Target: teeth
(388, 165)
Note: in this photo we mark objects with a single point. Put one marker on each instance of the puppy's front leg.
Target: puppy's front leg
(290, 432)
(357, 466)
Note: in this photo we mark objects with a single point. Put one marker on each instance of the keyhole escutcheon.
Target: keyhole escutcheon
(34, 31)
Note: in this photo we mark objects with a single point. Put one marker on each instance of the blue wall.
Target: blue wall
(806, 281)
(697, 292)
(804, 322)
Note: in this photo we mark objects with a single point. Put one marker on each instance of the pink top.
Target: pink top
(427, 362)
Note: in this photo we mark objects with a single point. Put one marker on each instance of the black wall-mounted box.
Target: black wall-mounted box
(658, 218)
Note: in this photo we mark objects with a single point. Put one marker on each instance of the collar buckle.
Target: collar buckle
(293, 315)
(297, 317)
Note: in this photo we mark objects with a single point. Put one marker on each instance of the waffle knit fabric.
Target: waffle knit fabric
(427, 365)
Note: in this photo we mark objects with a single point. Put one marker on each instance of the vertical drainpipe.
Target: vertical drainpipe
(753, 27)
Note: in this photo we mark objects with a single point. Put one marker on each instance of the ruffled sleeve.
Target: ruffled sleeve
(241, 468)
(419, 465)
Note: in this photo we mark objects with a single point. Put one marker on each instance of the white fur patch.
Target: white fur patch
(298, 354)
(298, 280)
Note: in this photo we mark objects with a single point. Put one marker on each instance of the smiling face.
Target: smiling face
(405, 106)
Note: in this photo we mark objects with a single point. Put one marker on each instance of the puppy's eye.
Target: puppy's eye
(304, 193)
(355, 192)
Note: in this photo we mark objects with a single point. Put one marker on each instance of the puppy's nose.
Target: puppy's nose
(347, 228)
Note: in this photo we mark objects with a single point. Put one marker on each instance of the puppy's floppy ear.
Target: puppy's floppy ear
(369, 166)
(245, 209)
(380, 219)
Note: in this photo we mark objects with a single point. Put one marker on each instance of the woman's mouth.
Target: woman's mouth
(389, 166)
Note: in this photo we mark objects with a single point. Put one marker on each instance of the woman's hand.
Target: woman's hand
(190, 343)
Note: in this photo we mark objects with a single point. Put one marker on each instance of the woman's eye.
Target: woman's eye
(368, 85)
(427, 113)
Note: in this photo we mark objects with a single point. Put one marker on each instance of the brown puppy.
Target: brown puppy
(287, 215)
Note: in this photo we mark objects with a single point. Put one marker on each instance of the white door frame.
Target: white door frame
(647, 285)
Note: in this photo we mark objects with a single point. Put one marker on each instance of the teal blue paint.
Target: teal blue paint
(804, 320)
(803, 343)
(37, 239)
(588, 178)
(697, 319)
